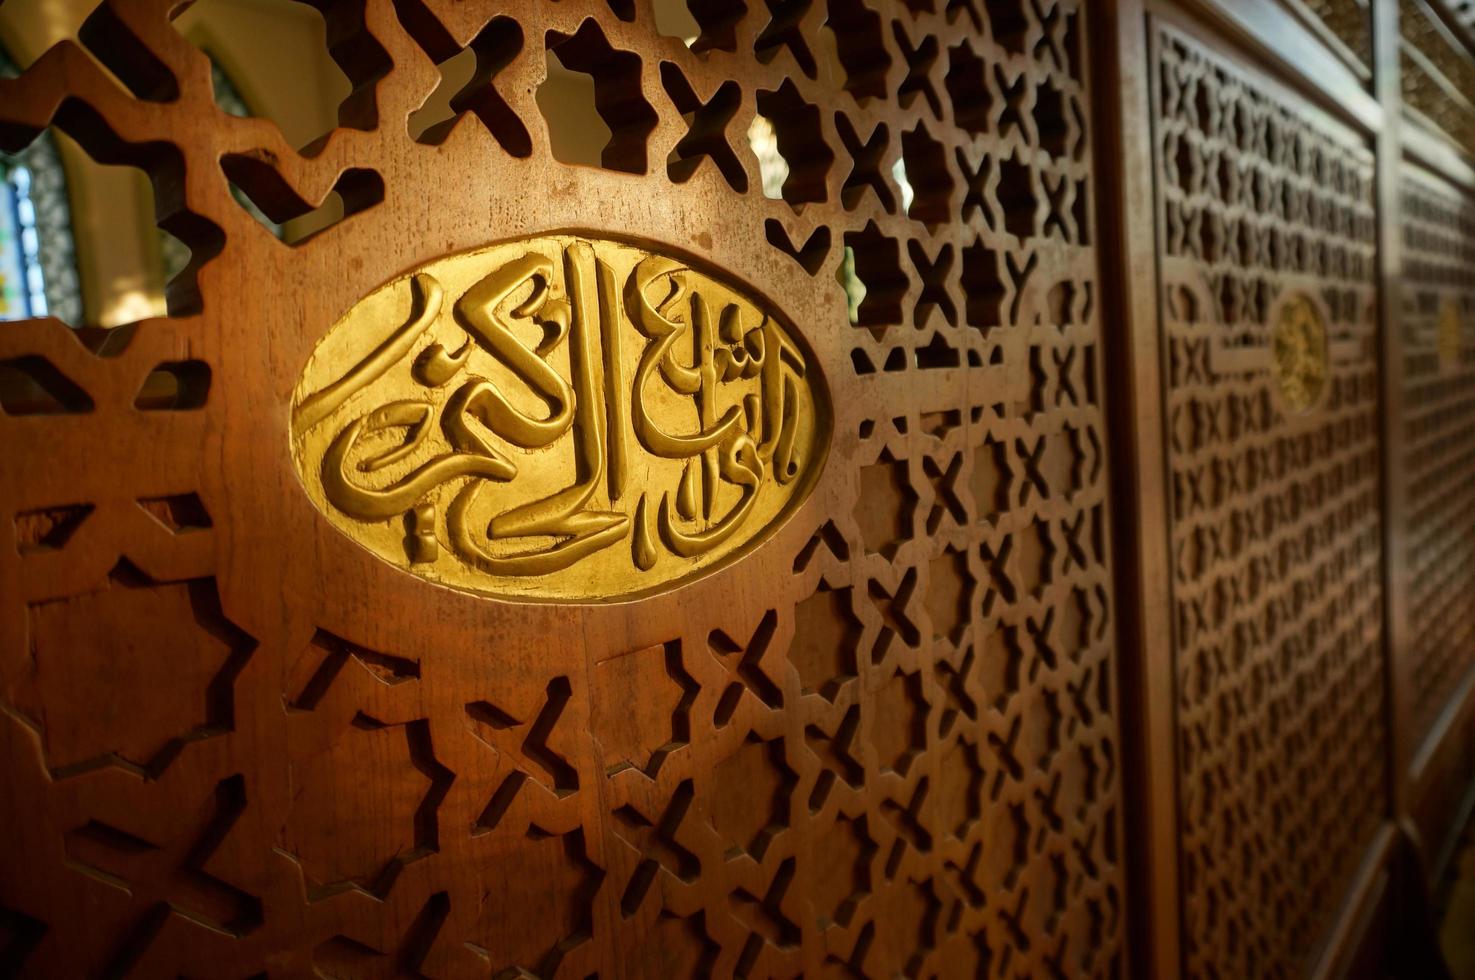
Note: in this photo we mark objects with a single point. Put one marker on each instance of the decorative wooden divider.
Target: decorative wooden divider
(965, 487)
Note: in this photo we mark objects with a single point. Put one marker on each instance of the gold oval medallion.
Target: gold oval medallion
(1448, 339)
(1299, 353)
(560, 417)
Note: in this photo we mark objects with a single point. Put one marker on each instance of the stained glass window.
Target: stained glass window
(38, 259)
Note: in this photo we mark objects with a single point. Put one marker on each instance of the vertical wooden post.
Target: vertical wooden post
(1130, 294)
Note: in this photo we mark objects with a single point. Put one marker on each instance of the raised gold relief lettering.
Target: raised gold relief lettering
(1448, 338)
(1298, 350)
(560, 417)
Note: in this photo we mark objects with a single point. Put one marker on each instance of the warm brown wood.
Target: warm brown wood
(1124, 155)
(1277, 593)
(1439, 247)
(1104, 377)
(884, 740)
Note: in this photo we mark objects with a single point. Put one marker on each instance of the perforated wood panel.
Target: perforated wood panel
(1267, 240)
(882, 739)
(1439, 425)
(1349, 21)
(1436, 73)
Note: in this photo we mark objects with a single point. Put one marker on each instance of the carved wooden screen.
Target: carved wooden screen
(1267, 237)
(874, 731)
(1350, 22)
(1436, 73)
(1438, 473)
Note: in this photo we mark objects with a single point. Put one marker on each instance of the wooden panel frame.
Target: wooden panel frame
(1282, 44)
(1282, 40)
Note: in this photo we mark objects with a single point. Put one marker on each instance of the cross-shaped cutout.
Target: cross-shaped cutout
(746, 673)
(919, 62)
(944, 492)
(866, 172)
(658, 846)
(706, 129)
(934, 273)
(997, 561)
(1065, 382)
(765, 919)
(1081, 691)
(892, 609)
(1075, 546)
(1033, 458)
(1057, 206)
(975, 186)
(836, 754)
(1039, 633)
(1006, 751)
(494, 47)
(1012, 115)
(526, 741)
(1049, 44)
(955, 697)
(786, 30)
(910, 826)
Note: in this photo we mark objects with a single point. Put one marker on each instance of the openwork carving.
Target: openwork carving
(1436, 73)
(1439, 420)
(1273, 457)
(1451, 336)
(1350, 21)
(558, 417)
(881, 739)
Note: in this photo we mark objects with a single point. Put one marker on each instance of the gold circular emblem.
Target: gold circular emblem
(1449, 335)
(1299, 353)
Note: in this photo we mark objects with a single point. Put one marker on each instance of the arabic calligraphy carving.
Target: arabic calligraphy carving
(1447, 341)
(558, 417)
(1299, 353)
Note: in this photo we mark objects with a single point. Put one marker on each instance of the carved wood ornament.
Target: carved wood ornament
(691, 416)
(710, 557)
(551, 569)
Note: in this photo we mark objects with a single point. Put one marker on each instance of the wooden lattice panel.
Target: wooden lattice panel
(1267, 241)
(1439, 437)
(1436, 73)
(882, 739)
(1350, 21)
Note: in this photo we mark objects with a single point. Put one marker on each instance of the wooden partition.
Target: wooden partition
(795, 487)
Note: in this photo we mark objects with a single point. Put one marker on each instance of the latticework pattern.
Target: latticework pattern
(1439, 424)
(1436, 74)
(885, 742)
(1275, 515)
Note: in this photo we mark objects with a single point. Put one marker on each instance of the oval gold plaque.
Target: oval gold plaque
(1448, 338)
(1299, 353)
(561, 417)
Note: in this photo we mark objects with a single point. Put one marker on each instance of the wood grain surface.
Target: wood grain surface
(1112, 617)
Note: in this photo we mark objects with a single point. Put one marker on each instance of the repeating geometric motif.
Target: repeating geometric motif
(1439, 415)
(1274, 514)
(899, 757)
(1435, 73)
(1350, 21)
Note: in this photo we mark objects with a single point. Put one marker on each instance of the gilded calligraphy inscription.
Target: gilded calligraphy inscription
(1298, 349)
(1447, 338)
(559, 417)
